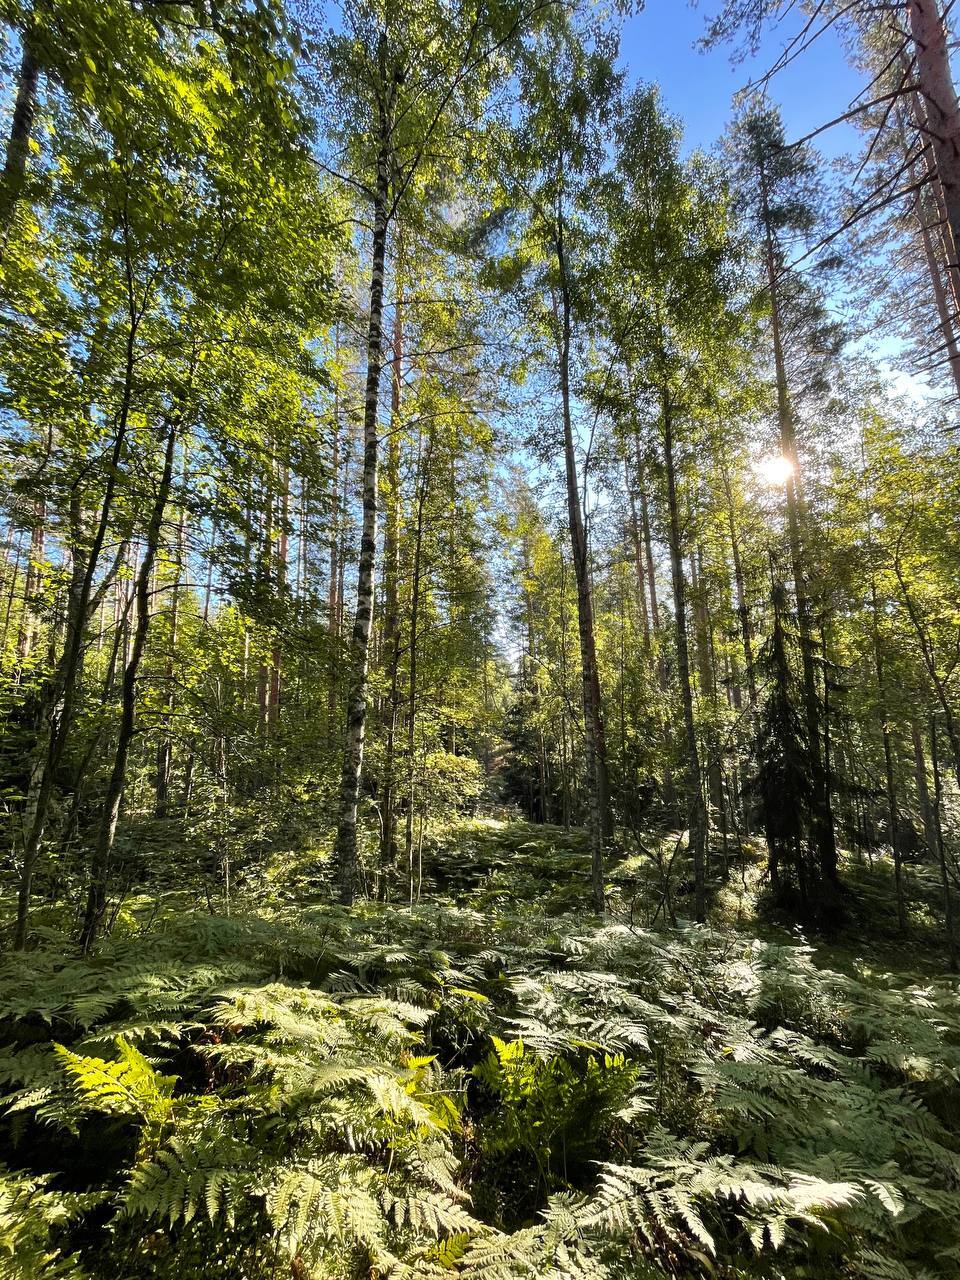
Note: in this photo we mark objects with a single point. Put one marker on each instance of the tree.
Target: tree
(403, 77)
(775, 189)
(672, 315)
(168, 264)
(556, 154)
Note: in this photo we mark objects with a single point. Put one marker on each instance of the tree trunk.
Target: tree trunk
(697, 816)
(597, 786)
(824, 837)
(29, 621)
(282, 568)
(424, 464)
(82, 602)
(391, 619)
(743, 609)
(940, 229)
(18, 142)
(345, 849)
(651, 568)
(941, 853)
(165, 747)
(333, 608)
(636, 539)
(567, 753)
(661, 665)
(944, 314)
(100, 866)
(939, 95)
(265, 578)
(703, 631)
(923, 789)
(333, 582)
(537, 692)
(892, 812)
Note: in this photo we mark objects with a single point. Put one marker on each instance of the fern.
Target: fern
(31, 1217)
(476, 1090)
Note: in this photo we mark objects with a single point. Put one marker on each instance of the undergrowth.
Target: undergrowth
(487, 1085)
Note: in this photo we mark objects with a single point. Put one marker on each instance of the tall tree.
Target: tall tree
(672, 314)
(779, 195)
(404, 77)
(556, 154)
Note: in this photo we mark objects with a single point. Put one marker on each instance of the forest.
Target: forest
(480, 659)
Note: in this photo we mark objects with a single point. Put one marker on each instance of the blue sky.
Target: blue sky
(658, 45)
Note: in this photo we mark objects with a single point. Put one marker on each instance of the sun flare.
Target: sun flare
(775, 471)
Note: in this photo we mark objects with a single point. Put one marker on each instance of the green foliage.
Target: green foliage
(550, 1112)
(492, 1093)
(245, 1081)
(32, 1219)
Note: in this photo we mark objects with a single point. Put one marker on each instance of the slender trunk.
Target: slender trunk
(29, 621)
(18, 142)
(941, 853)
(697, 816)
(706, 674)
(100, 866)
(661, 666)
(892, 816)
(341, 492)
(208, 585)
(342, 540)
(567, 755)
(892, 811)
(485, 677)
(743, 609)
(341, 571)
(651, 568)
(597, 786)
(537, 692)
(923, 789)
(303, 526)
(165, 747)
(424, 484)
(345, 850)
(82, 603)
(265, 577)
(701, 639)
(391, 620)
(282, 569)
(637, 541)
(333, 609)
(11, 563)
(190, 763)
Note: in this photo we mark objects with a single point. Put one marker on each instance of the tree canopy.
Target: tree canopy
(479, 671)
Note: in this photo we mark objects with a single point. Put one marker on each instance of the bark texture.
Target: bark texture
(345, 849)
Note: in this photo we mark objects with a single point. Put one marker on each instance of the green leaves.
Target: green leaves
(31, 1215)
(126, 1086)
(704, 1098)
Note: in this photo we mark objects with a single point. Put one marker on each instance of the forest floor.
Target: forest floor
(489, 1081)
(493, 861)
